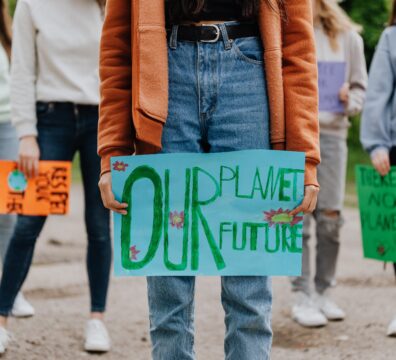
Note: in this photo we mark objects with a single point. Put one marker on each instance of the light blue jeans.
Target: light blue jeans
(218, 102)
(8, 151)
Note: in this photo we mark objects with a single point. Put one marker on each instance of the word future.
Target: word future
(208, 218)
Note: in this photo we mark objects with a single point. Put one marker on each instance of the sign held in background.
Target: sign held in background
(209, 214)
(46, 194)
(331, 80)
(377, 203)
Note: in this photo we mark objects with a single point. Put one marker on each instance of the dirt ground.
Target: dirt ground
(57, 288)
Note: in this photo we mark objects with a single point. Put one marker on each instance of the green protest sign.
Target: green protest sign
(377, 203)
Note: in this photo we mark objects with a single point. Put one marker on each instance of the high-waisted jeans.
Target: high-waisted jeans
(218, 102)
(63, 129)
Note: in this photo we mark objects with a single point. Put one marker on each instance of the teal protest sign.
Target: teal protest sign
(377, 203)
(209, 214)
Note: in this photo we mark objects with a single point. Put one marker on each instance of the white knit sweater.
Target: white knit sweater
(54, 57)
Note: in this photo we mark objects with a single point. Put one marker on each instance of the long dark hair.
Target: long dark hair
(5, 27)
(392, 19)
(182, 9)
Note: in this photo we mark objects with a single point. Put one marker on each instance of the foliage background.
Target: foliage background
(373, 16)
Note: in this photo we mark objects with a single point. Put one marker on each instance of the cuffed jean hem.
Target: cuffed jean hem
(5, 313)
(96, 309)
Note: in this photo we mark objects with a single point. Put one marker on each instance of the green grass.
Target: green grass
(76, 173)
(356, 156)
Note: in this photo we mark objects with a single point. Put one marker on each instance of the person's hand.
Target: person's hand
(308, 204)
(381, 161)
(108, 199)
(29, 156)
(344, 93)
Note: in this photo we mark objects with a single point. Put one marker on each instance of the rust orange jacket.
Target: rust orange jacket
(134, 79)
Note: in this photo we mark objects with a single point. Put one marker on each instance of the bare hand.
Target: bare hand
(29, 156)
(344, 93)
(381, 161)
(108, 199)
(308, 204)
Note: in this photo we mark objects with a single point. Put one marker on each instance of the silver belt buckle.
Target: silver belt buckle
(218, 32)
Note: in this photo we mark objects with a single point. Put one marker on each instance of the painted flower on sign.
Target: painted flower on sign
(381, 250)
(280, 216)
(177, 219)
(119, 166)
(133, 252)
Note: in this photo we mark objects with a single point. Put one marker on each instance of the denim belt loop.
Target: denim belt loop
(224, 34)
(173, 37)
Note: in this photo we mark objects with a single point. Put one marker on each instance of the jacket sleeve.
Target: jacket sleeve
(358, 76)
(23, 72)
(375, 130)
(300, 81)
(116, 133)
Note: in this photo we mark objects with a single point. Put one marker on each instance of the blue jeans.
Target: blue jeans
(63, 129)
(218, 102)
(8, 151)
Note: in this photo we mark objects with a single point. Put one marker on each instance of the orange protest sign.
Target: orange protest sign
(46, 194)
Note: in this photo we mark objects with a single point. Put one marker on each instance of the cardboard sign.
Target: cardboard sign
(377, 203)
(331, 80)
(46, 194)
(209, 214)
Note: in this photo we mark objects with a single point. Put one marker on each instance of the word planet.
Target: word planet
(193, 214)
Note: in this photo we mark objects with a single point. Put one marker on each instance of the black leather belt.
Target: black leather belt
(211, 32)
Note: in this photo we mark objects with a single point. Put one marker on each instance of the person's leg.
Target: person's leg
(8, 151)
(331, 174)
(97, 217)
(55, 139)
(329, 220)
(247, 303)
(237, 118)
(7, 225)
(303, 283)
(18, 259)
(171, 302)
(171, 299)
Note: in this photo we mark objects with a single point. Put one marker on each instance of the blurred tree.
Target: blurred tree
(12, 6)
(373, 15)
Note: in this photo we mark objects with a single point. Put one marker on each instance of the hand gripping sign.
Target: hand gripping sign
(46, 194)
(209, 214)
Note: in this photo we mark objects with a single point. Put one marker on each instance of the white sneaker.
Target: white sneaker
(22, 308)
(305, 313)
(328, 307)
(96, 336)
(4, 340)
(392, 328)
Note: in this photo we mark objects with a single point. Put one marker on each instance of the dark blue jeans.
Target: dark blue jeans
(63, 129)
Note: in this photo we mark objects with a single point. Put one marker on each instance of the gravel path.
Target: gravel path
(57, 288)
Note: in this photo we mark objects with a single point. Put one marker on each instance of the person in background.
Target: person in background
(8, 144)
(337, 40)
(54, 98)
(378, 126)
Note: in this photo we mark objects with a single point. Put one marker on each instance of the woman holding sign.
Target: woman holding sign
(54, 96)
(343, 80)
(378, 128)
(190, 76)
(8, 144)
